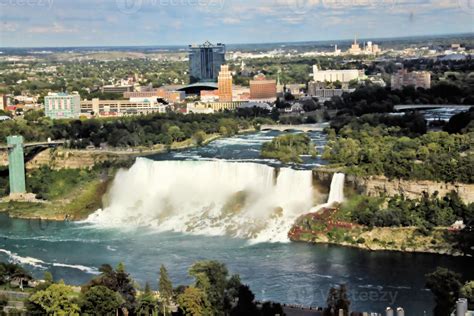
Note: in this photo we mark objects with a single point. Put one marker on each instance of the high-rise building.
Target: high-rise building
(262, 89)
(225, 84)
(62, 105)
(417, 79)
(205, 61)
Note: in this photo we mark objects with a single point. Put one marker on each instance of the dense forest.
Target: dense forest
(289, 148)
(127, 131)
(375, 99)
(425, 213)
(400, 147)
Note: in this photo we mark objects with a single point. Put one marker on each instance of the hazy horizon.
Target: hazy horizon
(104, 23)
(185, 45)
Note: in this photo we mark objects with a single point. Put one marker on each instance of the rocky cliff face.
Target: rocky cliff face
(64, 158)
(376, 185)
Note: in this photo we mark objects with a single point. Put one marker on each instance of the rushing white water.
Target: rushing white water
(246, 200)
(336, 193)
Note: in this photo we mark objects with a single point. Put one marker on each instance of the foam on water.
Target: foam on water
(78, 267)
(40, 264)
(23, 260)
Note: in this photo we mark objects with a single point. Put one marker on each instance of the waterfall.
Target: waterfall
(336, 193)
(215, 198)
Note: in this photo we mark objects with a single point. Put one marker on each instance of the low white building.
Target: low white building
(343, 76)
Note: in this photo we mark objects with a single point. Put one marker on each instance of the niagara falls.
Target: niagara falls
(246, 200)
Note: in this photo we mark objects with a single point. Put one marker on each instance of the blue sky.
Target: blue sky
(180, 22)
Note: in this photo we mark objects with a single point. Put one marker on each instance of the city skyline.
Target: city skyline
(181, 22)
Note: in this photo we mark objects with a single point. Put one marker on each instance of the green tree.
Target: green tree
(117, 280)
(56, 300)
(193, 302)
(10, 272)
(199, 137)
(147, 304)
(467, 291)
(211, 277)
(445, 286)
(48, 277)
(175, 133)
(165, 286)
(100, 300)
(245, 304)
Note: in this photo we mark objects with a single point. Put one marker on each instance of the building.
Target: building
(170, 96)
(205, 61)
(4, 102)
(211, 107)
(355, 48)
(369, 49)
(315, 90)
(240, 93)
(296, 89)
(62, 105)
(343, 76)
(263, 89)
(209, 96)
(224, 84)
(25, 100)
(260, 105)
(372, 49)
(117, 88)
(417, 79)
(117, 108)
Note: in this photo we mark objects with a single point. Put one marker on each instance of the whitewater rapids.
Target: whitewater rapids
(245, 200)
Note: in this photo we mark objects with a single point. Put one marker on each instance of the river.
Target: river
(286, 272)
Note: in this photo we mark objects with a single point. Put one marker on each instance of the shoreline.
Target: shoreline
(323, 228)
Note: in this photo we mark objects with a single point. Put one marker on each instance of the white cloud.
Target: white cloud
(55, 28)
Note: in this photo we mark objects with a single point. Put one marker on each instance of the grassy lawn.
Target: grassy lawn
(76, 205)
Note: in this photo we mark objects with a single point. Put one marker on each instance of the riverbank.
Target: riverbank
(64, 158)
(82, 201)
(327, 227)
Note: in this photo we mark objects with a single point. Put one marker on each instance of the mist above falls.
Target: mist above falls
(244, 200)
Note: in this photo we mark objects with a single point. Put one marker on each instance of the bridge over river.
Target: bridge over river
(303, 127)
(16, 160)
(408, 107)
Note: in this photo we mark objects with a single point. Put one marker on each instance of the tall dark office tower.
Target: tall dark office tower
(205, 61)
